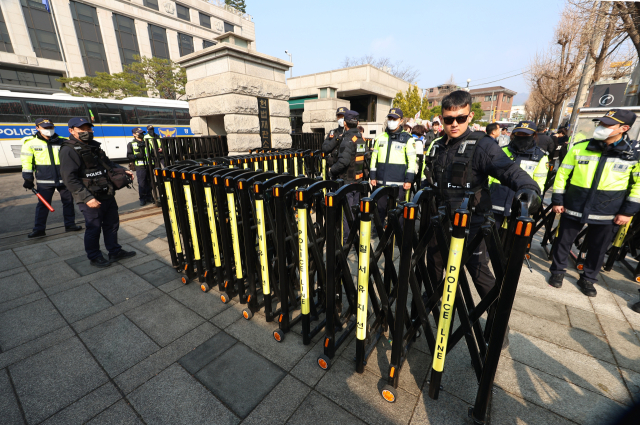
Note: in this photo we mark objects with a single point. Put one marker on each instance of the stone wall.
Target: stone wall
(321, 114)
(223, 85)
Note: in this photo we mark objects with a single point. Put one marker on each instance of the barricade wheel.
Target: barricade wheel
(278, 335)
(638, 279)
(224, 298)
(389, 393)
(324, 362)
(247, 314)
(205, 287)
(184, 280)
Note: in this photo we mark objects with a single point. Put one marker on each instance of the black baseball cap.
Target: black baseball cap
(618, 116)
(149, 126)
(44, 122)
(137, 130)
(528, 127)
(395, 113)
(351, 115)
(78, 122)
(341, 110)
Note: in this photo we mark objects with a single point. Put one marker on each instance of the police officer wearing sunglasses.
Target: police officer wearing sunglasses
(461, 161)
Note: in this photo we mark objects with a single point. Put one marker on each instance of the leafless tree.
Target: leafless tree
(554, 74)
(405, 72)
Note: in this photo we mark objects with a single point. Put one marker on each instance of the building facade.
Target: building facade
(43, 40)
(366, 89)
(496, 101)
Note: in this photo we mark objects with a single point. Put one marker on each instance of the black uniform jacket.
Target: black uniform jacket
(72, 169)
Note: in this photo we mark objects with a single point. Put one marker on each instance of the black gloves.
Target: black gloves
(28, 184)
(531, 198)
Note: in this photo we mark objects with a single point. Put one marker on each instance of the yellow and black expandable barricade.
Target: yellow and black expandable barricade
(415, 275)
(523, 232)
(265, 228)
(311, 242)
(626, 241)
(338, 272)
(370, 328)
(287, 252)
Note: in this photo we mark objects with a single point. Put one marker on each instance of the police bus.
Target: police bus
(113, 119)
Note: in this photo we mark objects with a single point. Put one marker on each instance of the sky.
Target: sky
(478, 40)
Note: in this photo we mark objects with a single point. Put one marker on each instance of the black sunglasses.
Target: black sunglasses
(461, 119)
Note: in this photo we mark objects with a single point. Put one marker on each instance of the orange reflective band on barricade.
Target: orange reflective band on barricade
(240, 185)
(156, 172)
(527, 229)
(164, 173)
(183, 176)
(215, 180)
(226, 182)
(364, 206)
(300, 196)
(256, 189)
(409, 212)
(204, 179)
(460, 220)
(464, 220)
(326, 342)
(392, 372)
(328, 201)
(276, 192)
(193, 177)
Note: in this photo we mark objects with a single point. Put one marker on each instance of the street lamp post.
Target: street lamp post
(468, 81)
(290, 60)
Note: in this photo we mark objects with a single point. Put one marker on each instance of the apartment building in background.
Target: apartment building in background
(496, 101)
(42, 40)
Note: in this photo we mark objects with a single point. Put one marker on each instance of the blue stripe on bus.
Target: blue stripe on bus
(18, 131)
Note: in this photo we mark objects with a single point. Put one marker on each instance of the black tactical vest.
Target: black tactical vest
(335, 134)
(94, 174)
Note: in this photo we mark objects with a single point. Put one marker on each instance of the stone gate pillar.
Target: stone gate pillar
(226, 84)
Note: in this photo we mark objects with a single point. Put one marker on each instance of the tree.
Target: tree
(411, 102)
(162, 77)
(103, 85)
(237, 4)
(478, 113)
(405, 72)
(154, 77)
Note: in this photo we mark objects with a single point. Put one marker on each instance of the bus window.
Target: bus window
(149, 115)
(58, 112)
(182, 116)
(128, 113)
(11, 111)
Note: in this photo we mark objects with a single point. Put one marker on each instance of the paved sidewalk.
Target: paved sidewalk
(130, 344)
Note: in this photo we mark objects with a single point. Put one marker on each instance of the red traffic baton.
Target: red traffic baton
(46, 204)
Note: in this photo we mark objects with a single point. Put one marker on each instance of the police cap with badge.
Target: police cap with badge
(44, 123)
(395, 113)
(351, 118)
(618, 116)
(528, 127)
(341, 110)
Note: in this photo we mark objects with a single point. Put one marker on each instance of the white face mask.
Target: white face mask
(47, 132)
(602, 133)
(393, 124)
(341, 122)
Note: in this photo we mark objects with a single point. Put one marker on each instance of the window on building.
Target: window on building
(506, 99)
(11, 111)
(183, 12)
(56, 111)
(205, 20)
(153, 4)
(159, 45)
(430, 90)
(155, 115)
(207, 43)
(488, 98)
(5, 41)
(185, 43)
(126, 35)
(18, 77)
(323, 93)
(41, 30)
(228, 27)
(85, 19)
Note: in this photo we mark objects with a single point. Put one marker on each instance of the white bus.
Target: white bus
(113, 119)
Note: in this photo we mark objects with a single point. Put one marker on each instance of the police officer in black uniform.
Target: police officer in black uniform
(349, 165)
(83, 166)
(334, 138)
(463, 160)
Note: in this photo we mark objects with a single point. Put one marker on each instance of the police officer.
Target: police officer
(151, 138)
(39, 154)
(137, 152)
(349, 165)
(393, 160)
(597, 184)
(334, 138)
(524, 151)
(83, 166)
(460, 161)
